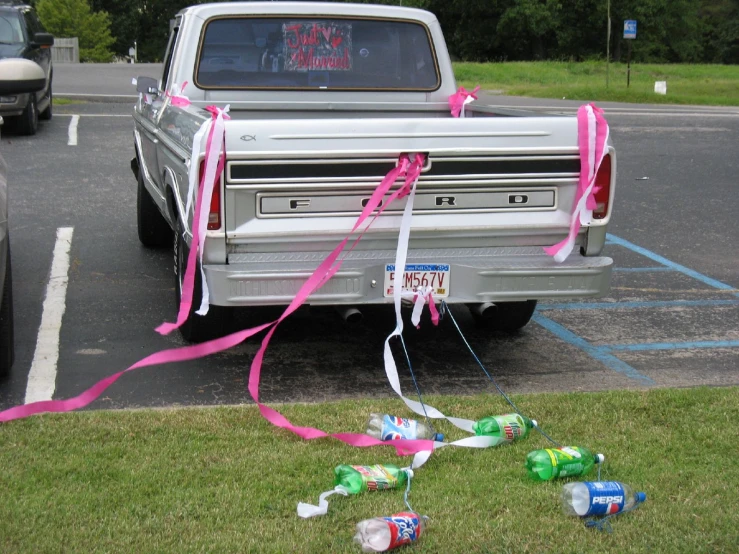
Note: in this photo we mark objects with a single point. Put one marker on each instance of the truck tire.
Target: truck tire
(197, 328)
(27, 122)
(154, 231)
(507, 316)
(7, 346)
(49, 111)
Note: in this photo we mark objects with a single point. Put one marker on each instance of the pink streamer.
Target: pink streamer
(458, 99)
(188, 281)
(319, 277)
(588, 172)
(176, 99)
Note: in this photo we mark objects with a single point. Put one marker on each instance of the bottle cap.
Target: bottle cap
(439, 437)
(599, 458)
(641, 497)
(534, 423)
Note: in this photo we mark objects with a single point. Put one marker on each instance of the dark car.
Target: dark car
(17, 76)
(23, 36)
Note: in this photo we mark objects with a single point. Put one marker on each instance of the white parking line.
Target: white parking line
(73, 130)
(42, 377)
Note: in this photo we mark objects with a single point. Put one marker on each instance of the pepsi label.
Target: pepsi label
(606, 497)
(395, 428)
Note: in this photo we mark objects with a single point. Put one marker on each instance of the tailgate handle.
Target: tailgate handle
(518, 199)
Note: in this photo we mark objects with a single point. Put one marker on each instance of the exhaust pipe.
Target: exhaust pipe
(485, 310)
(350, 314)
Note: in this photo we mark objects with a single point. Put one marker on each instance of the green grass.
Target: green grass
(224, 480)
(66, 101)
(686, 84)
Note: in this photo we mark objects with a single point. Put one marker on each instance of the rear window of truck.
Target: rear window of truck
(316, 53)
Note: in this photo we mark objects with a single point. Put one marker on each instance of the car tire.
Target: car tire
(153, 229)
(48, 112)
(7, 345)
(507, 316)
(197, 328)
(28, 120)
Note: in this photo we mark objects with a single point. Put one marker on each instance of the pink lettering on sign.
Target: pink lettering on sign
(317, 45)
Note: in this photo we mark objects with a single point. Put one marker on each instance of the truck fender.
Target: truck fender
(175, 208)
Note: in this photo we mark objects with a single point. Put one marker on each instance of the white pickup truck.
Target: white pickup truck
(323, 98)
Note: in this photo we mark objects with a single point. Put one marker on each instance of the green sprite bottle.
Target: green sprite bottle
(567, 461)
(508, 427)
(357, 479)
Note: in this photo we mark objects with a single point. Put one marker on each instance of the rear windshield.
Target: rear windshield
(316, 53)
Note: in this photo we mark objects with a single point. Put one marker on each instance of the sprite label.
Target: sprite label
(377, 478)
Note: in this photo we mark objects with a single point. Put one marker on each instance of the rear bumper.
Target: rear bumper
(477, 275)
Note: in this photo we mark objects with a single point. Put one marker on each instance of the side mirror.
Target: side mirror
(147, 85)
(43, 39)
(19, 76)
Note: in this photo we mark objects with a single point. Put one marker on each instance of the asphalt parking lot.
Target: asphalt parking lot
(671, 319)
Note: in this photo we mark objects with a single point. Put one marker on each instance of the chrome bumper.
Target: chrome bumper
(477, 275)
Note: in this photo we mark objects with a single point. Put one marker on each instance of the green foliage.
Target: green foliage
(74, 18)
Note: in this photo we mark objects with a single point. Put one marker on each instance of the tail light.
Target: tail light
(602, 188)
(214, 214)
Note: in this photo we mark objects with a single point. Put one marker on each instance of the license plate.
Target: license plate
(436, 276)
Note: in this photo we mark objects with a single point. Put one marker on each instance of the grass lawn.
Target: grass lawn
(224, 480)
(686, 84)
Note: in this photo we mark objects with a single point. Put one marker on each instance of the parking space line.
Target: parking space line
(640, 304)
(672, 345)
(598, 353)
(72, 132)
(42, 376)
(668, 263)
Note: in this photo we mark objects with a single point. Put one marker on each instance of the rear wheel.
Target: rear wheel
(153, 229)
(28, 120)
(507, 316)
(7, 346)
(197, 328)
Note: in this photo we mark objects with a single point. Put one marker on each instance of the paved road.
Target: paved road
(672, 318)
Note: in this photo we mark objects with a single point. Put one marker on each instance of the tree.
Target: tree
(74, 18)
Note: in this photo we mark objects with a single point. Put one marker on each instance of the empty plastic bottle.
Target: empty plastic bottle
(567, 461)
(508, 426)
(387, 428)
(381, 534)
(357, 479)
(595, 498)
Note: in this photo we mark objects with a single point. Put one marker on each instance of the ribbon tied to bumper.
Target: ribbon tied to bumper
(460, 99)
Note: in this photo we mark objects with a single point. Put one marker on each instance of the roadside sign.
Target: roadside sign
(630, 28)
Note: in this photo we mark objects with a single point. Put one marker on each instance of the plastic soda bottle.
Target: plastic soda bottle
(567, 461)
(387, 428)
(508, 426)
(378, 477)
(596, 498)
(380, 534)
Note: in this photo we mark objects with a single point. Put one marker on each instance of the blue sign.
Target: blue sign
(630, 28)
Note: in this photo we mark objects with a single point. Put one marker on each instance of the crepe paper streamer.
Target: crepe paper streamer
(460, 99)
(391, 370)
(214, 163)
(176, 98)
(592, 138)
(309, 510)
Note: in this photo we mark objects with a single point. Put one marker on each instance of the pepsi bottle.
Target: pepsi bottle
(387, 428)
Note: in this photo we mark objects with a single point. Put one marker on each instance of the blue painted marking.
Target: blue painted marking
(674, 345)
(644, 304)
(599, 353)
(664, 261)
(642, 269)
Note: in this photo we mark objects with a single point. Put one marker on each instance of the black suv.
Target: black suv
(23, 36)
